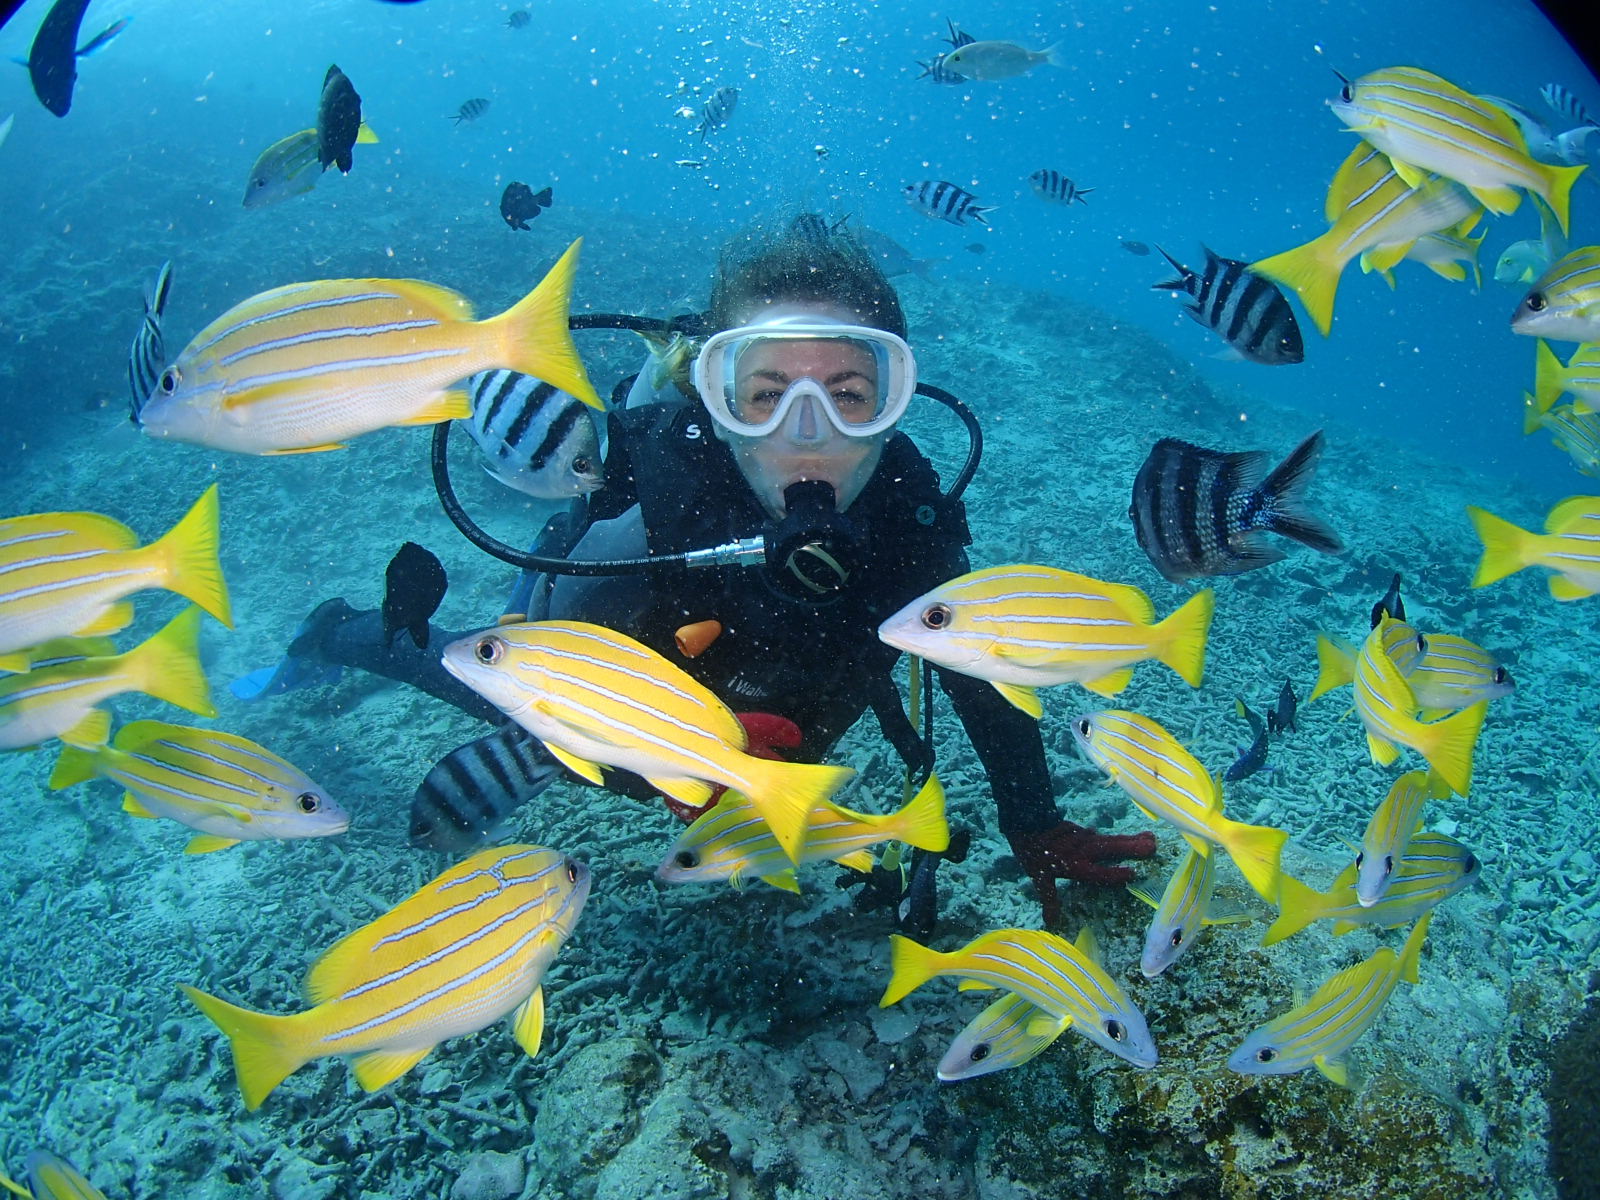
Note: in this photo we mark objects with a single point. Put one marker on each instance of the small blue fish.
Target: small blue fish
(1254, 756)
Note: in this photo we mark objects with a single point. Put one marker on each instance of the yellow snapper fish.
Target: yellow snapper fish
(224, 786)
(1426, 124)
(1579, 378)
(596, 698)
(1390, 831)
(1009, 1032)
(1024, 627)
(1576, 433)
(1433, 868)
(1336, 658)
(59, 700)
(1564, 302)
(66, 573)
(1449, 255)
(1319, 1032)
(1387, 708)
(1063, 980)
(1446, 673)
(452, 958)
(732, 842)
(1183, 909)
(1168, 784)
(64, 649)
(290, 167)
(1373, 212)
(53, 1178)
(302, 367)
(1569, 547)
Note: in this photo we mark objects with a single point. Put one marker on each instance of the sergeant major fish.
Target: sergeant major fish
(946, 202)
(147, 357)
(470, 792)
(1201, 512)
(462, 951)
(1244, 309)
(1057, 188)
(302, 367)
(470, 110)
(534, 439)
(714, 113)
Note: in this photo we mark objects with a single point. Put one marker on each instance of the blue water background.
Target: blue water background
(1193, 123)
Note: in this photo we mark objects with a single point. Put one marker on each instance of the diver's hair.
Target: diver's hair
(806, 260)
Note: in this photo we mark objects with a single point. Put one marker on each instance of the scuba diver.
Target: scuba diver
(773, 510)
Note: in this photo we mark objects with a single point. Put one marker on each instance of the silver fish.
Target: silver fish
(536, 439)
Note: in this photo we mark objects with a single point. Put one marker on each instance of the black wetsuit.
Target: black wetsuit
(821, 665)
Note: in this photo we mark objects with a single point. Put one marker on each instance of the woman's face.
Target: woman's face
(806, 446)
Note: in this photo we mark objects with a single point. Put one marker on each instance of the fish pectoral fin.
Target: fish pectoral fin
(205, 843)
(134, 807)
(1383, 752)
(1227, 917)
(527, 1023)
(856, 860)
(306, 449)
(1334, 1068)
(1200, 845)
(1495, 199)
(1385, 258)
(1022, 697)
(1047, 1026)
(379, 1068)
(447, 406)
(693, 792)
(115, 619)
(1110, 683)
(580, 767)
(1562, 588)
(1410, 174)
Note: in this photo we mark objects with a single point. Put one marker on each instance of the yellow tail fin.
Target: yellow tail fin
(921, 823)
(1449, 744)
(537, 341)
(911, 964)
(1313, 272)
(76, 765)
(1548, 382)
(168, 665)
(784, 793)
(1336, 665)
(263, 1055)
(1256, 851)
(1506, 548)
(1298, 906)
(1559, 181)
(188, 556)
(1182, 637)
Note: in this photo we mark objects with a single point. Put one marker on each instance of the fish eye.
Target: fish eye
(685, 859)
(1361, 857)
(1422, 644)
(1535, 302)
(1499, 675)
(489, 651)
(936, 616)
(170, 379)
(1388, 865)
(1084, 727)
(1266, 1054)
(581, 465)
(1115, 1031)
(980, 1051)
(572, 871)
(1347, 93)
(308, 802)
(1470, 863)
(1176, 939)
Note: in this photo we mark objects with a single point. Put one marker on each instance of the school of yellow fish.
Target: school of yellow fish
(306, 366)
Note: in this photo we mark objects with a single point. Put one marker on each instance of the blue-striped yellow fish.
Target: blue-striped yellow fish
(1169, 784)
(732, 842)
(1569, 547)
(1073, 990)
(1008, 1033)
(290, 167)
(1449, 253)
(1445, 672)
(596, 698)
(1387, 708)
(1319, 1032)
(1183, 909)
(303, 367)
(1389, 831)
(1564, 302)
(1425, 123)
(1578, 377)
(64, 649)
(67, 572)
(1433, 868)
(225, 787)
(1336, 658)
(1577, 433)
(53, 1178)
(59, 701)
(1374, 213)
(1024, 627)
(452, 958)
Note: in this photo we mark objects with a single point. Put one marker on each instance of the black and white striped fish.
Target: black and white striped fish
(937, 71)
(1244, 309)
(537, 440)
(471, 791)
(714, 113)
(147, 357)
(1565, 105)
(1202, 512)
(945, 201)
(1056, 187)
(470, 110)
